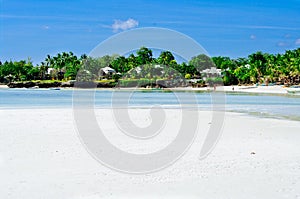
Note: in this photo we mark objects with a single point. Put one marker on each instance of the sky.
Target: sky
(234, 28)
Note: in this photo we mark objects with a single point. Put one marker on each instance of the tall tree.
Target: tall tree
(144, 56)
(258, 61)
(201, 62)
(165, 58)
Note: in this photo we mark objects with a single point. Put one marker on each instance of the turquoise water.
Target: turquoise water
(279, 106)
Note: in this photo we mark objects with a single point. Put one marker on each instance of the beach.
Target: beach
(150, 100)
(233, 89)
(3, 86)
(247, 89)
(41, 156)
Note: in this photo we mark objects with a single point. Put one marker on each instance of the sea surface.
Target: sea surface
(260, 105)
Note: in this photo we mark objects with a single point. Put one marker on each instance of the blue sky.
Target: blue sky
(235, 28)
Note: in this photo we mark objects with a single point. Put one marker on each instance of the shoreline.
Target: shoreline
(230, 89)
(227, 90)
(245, 89)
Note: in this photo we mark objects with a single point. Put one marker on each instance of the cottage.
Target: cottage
(211, 72)
(107, 72)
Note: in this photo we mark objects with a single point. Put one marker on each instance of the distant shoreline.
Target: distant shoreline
(231, 89)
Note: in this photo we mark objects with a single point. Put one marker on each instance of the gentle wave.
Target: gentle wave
(259, 105)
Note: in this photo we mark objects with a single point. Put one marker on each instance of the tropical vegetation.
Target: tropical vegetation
(258, 67)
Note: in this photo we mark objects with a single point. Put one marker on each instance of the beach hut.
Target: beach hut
(107, 72)
(211, 73)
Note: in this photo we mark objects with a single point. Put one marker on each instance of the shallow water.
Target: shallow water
(278, 106)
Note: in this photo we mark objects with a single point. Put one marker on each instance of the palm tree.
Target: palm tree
(144, 56)
(258, 62)
(43, 70)
(165, 58)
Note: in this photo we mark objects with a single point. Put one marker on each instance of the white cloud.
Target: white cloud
(283, 44)
(297, 42)
(267, 27)
(253, 37)
(46, 27)
(124, 25)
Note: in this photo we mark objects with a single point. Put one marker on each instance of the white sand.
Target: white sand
(41, 157)
(245, 89)
(239, 89)
(258, 89)
(3, 86)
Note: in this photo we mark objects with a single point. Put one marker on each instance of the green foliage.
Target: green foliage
(144, 56)
(106, 81)
(242, 74)
(166, 58)
(18, 71)
(121, 65)
(116, 77)
(94, 65)
(201, 62)
(143, 82)
(66, 65)
(187, 76)
(256, 68)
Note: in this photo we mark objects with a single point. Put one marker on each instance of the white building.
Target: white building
(107, 71)
(211, 72)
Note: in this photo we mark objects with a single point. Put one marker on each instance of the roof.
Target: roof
(212, 70)
(108, 70)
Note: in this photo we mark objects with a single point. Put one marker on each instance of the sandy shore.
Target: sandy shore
(234, 89)
(41, 156)
(261, 89)
(248, 89)
(3, 86)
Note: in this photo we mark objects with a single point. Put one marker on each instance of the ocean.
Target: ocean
(259, 105)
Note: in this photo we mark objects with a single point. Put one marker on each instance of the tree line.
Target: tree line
(256, 68)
